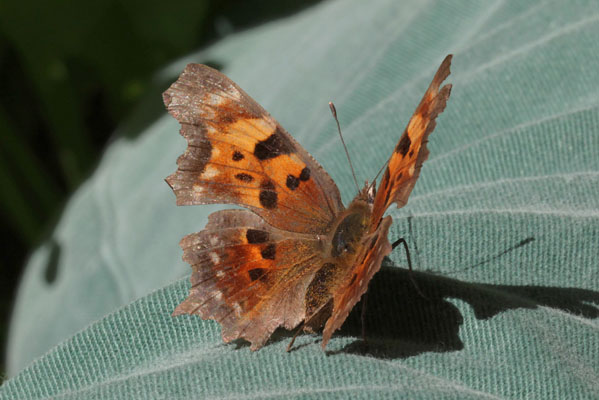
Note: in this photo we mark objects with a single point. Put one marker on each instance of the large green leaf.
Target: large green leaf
(504, 219)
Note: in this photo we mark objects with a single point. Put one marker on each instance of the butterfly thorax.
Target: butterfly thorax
(351, 227)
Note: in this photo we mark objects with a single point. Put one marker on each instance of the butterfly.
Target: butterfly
(295, 256)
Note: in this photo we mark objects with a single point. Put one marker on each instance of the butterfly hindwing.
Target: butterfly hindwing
(238, 154)
(355, 284)
(247, 275)
(404, 165)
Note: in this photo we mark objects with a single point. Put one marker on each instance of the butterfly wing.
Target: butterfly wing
(238, 154)
(248, 275)
(404, 165)
(399, 179)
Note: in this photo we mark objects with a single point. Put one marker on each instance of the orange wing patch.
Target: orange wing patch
(404, 165)
(238, 154)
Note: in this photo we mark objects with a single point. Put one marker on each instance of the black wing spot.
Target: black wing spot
(404, 145)
(244, 177)
(387, 195)
(305, 174)
(273, 146)
(257, 273)
(292, 182)
(226, 119)
(237, 156)
(268, 195)
(256, 236)
(269, 252)
(387, 177)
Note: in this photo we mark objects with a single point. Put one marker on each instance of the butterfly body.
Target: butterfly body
(345, 242)
(296, 255)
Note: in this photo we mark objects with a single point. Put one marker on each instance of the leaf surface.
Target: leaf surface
(504, 220)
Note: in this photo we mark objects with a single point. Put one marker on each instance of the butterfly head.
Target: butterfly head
(367, 193)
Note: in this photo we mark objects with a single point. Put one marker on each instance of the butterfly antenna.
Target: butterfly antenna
(334, 112)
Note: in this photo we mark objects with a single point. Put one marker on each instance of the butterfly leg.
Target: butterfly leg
(309, 321)
(299, 329)
(405, 246)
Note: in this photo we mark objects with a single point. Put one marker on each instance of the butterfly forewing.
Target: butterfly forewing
(406, 160)
(238, 154)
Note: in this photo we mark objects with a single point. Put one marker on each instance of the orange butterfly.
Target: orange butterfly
(297, 256)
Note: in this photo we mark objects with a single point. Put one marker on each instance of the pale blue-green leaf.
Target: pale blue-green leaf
(504, 217)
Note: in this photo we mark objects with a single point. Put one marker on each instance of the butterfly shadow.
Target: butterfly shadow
(401, 323)
(408, 314)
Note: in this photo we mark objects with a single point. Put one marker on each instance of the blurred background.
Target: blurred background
(70, 74)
